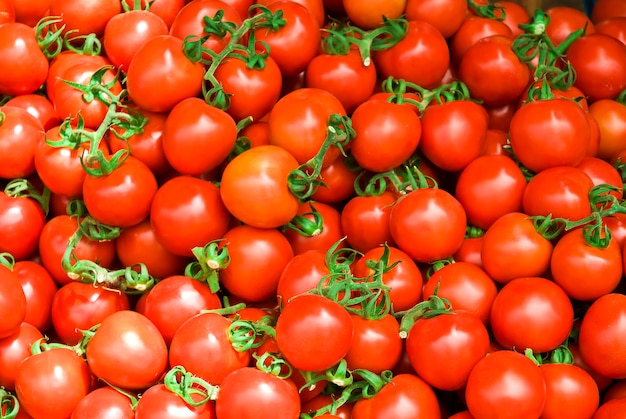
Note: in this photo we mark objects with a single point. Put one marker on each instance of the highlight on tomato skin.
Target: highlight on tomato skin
(298, 209)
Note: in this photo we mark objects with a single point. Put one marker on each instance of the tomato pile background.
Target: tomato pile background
(313, 208)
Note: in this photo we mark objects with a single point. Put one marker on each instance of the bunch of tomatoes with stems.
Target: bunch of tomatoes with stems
(257, 210)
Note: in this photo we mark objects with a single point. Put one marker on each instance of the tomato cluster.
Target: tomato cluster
(291, 209)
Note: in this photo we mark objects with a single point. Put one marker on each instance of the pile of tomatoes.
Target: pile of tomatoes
(291, 209)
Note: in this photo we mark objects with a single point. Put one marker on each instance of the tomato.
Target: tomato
(531, 313)
(123, 197)
(602, 337)
(187, 212)
(610, 409)
(39, 289)
(466, 286)
(513, 248)
(122, 339)
(13, 307)
(85, 17)
(299, 123)
(166, 9)
(505, 381)
(596, 57)
(453, 133)
(24, 68)
(251, 393)
(65, 60)
(405, 396)
(159, 402)
(365, 220)
(323, 240)
(514, 15)
(30, 11)
(601, 381)
(54, 240)
(160, 75)
(473, 29)
(313, 333)
(371, 338)
(21, 221)
(458, 340)
(38, 106)
(295, 44)
(605, 9)
(492, 71)
(338, 180)
(343, 412)
(387, 134)
(611, 118)
(62, 372)
(602, 172)
(562, 120)
(447, 16)
(432, 216)
(301, 274)
(14, 349)
(20, 132)
(613, 27)
(404, 279)
(104, 402)
(197, 137)
(564, 20)
(617, 224)
(422, 43)
(470, 250)
(570, 392)
(202, 346)
(254, 187)
(584, 271)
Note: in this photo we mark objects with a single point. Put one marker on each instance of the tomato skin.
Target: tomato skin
(85, 17)
(473, 29)
(610, 409)
(331, 229)
(369, 14)
(21, 221)
(512, 248)
(102, 403)
(338, 182)
(159, 402)
(430, 216)
(24, 68)
(495, 178)
(560, 119)
(20, 132)
(447, 16)
(458, 340)
(38, 106)
(614, 27)
(371, 338)
(365, 221)
(254, 187)
(166, 9)
(63, 61)
(13, 307)
(611, 118)
(602, 172)
(202, 335)
(602, 337)
(122, 339)
(187, 212)
(405, 396)
(249, 393)
(423, 43)
(39, 289)
(505, 381)
(570, 392)
(313, 332)
(160, 75)
(63, 373)
(197, 137)
(14, 349)
(531, 313)
(564, 20)
(301, 274)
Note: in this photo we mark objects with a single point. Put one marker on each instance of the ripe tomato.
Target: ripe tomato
(602, 172)
(160, 75)
(605, 9)
(21, 221)
(187, 212)
(159, 402)
(20, 133)
(166, 9)
(614, 27)
(24, 68)
(564, 20)
(202, 346)
(122, 339)
(514, 15)
(602, 336)
(371, 338)
(38, 106)
(506, 381)
(473, 29)
(513, 248)
(428, 215)
(30, 11)
(15, 348)
(197, 137)
(563, 120)
(85, 17)
(610, 409)
(104, 402)
(338, 180)
(369, 14)
(313, 333)
(531, 313)
(254, 187)
(447, 16)
(365, 221)
(66, 59)
(252, 393)
(301, 274)
(39, 289)
(611, 118)
(323, 240)
(570, 392)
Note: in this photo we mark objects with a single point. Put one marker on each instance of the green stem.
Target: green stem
(186, 385)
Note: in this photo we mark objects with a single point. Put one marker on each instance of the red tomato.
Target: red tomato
(405, 396)
(338, 180)
(160, 75)
(14, 349)
(601, 381)
(13, 307)
(254, 187)
(514, 15)
(570, 392)
(369, 14)
(104, 402)
(531, 313)
(21, 221)
(166, 9)
(123, 338)
(39, 289)
(602, 172)
(371, 338)
(126, 32)
(506, 381)
(344, 411)
(611, 118)
(423, 43)
(615, 27)
(365, 221)
(470, 251)
(563, 120)
(513, 248)
(24, 67)
(610, 409)
(65, 376)
(197, 137)
(564, 20)
(323, 240)
(85, 17)
(472, 30)
(30, 11)
(605, 9)
(159, 402)
(38, 106)
(466, 286)
(201, 345)
(252, 393)
(602, 336)
(187, 212)
(301, 274)
(428, 215)
(447, 16)
(20, 132)
(458, 340)
(617, 224)
(313, 333)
